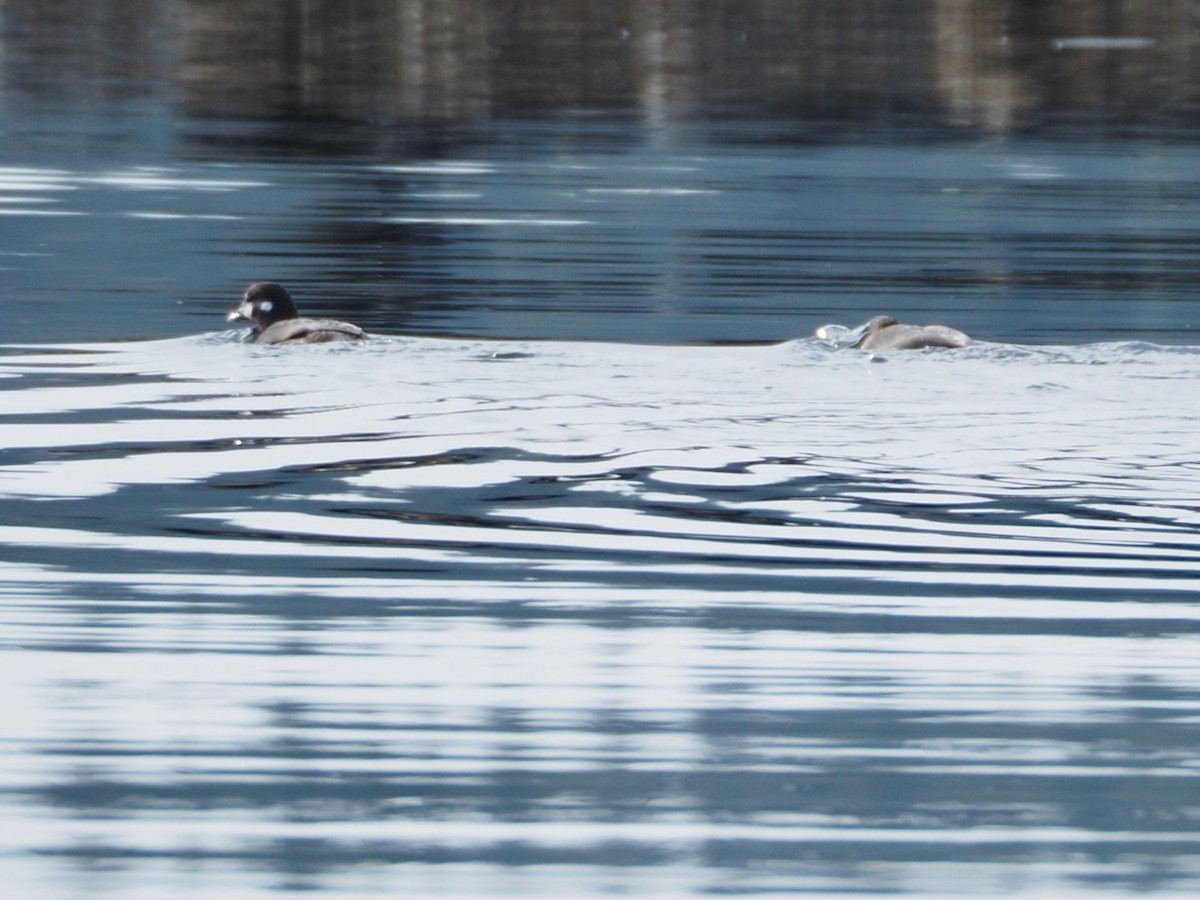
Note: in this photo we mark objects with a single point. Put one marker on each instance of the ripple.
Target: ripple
(631, 607)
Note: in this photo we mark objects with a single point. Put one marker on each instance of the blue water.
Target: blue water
(584, 230)
(593, 571)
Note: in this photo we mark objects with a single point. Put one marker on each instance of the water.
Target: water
(570, 618)
(610, 231)
(593, 572)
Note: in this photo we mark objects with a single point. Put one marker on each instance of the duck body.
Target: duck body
(309, 331)
(271, 308)
(885, 333)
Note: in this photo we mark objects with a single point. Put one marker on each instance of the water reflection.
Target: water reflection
(529, 237)
(472, 616)
(977, 64)
(575, 618)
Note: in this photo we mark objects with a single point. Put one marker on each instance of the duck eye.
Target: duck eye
(266, 306)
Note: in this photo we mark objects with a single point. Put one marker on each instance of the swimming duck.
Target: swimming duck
(273, 313)
(884, 333)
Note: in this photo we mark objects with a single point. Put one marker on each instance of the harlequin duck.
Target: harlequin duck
(884, 332)
(273, 313)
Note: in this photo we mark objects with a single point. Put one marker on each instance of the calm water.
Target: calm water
(592, 572)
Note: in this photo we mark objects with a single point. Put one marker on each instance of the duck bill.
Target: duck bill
(240, 313)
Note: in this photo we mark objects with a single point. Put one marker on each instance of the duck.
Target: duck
(271, 308)
(885, 333)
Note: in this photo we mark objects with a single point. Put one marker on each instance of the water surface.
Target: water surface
(712, 235)
(549, 617)
(593, 572)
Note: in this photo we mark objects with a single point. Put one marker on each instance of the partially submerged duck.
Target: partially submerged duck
(885, 333)
(276, 321)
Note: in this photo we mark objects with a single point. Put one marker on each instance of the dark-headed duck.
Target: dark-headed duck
(273, 313)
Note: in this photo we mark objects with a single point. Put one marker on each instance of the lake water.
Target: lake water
(594, 572)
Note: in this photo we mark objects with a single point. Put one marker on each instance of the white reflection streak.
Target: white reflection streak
(485, 221)
(447, 167)
(434, 542)
(169, 216)
(26, 581)
(161, 180)
(218, 832)
(25, 211)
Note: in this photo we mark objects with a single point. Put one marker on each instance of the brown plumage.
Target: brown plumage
(276, 321)
(884, 333)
